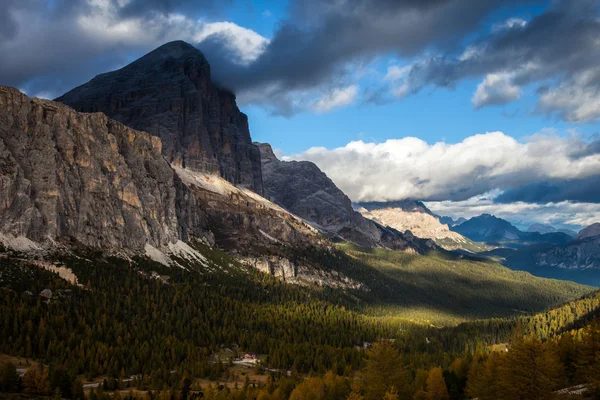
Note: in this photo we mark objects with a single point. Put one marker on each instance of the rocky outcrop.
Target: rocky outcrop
(302, 274)
(169, 93)
(303, 189)
(589, 231)
(580, 254)
(83, 177)
(415, 217)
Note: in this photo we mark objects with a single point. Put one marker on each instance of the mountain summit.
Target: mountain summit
(169, 93)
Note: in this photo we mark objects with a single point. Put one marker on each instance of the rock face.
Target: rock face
(413, 216)
(86, 179)
(303, 189)
(83, 176)
(592, 230)
(169, 93)
(580, 254)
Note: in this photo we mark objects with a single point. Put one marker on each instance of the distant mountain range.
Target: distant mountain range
(553, 254)
(490, 229)
(543, 228)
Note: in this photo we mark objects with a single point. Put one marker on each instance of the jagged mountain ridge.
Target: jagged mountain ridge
(414, 216)
(169, 93)
(489, 228)
(544, 228)
(303, 189)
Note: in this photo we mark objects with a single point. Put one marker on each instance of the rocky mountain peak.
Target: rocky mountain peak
(266, 152)
(589, 231)
(169, 93)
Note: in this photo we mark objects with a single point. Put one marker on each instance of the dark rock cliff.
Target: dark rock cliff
(169, 93)
(65, 174)
(86, 179)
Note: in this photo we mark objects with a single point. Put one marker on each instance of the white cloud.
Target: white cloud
(397, 75)
(247, 43)
(576, 100)
(103, 24)
(336, 98)
(495, 89)
(562, 214)
(509, 24)
(411, 168)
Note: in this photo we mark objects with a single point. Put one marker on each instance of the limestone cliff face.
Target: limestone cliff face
(413, 216)
(89, 180)
(82, 176)
(580, 254)
(303, 189)
(169, 93)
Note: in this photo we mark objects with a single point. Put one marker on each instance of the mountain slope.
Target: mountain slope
(303, 189)
(85, 180)
(543, 228)
(589, 231)
(413, 216)
(438, 288)
(169, 93)
(488, 228)
(578, 260)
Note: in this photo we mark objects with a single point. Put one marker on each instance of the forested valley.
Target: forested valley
(133, 328)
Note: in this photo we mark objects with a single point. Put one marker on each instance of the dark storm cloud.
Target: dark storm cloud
(320, 45)
(560, 44)
(577, 190)
(147, 7)
(322, 37)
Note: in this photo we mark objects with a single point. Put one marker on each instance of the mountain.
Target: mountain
(414, 216)
(589, 231)
(451, 222)
(577, 260)
(303, 189)
(169, 93)
(543, 228)
(75, 179)
(491, 229)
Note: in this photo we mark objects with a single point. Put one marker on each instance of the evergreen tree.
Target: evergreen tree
(36, 381)
(383, 371)
(436, 386)
(529, 371)
(9, 378)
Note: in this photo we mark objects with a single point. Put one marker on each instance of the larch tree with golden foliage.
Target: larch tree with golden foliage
(436, 386)
(383, 371)
(531, 370)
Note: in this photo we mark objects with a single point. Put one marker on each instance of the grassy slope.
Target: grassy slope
(436, 289)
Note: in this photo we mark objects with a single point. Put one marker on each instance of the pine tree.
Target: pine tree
(383, 371)
(9, 379)
(36, 381)
(436, 386)
(530, 371)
